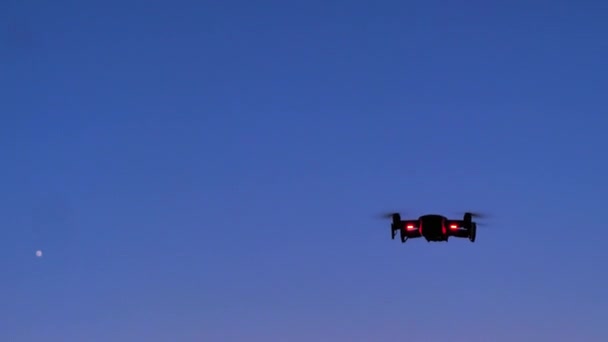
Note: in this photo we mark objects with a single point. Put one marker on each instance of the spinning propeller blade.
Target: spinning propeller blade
(386, 215)
(477, 214)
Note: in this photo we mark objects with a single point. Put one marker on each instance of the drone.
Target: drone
(434, 228)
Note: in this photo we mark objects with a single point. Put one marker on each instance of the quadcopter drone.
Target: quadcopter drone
(434, 227)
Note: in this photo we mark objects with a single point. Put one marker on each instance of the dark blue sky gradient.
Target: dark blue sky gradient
(212, 170)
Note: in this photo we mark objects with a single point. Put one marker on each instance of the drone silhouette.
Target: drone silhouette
(434, 227)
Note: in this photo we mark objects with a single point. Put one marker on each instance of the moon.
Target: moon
(39, 253)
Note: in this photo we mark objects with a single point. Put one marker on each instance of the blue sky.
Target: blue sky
(213, 170)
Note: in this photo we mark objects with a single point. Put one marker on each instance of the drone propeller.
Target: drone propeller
(477, 214)
(387, 215)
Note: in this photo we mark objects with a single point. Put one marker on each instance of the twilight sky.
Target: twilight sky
(213, 170)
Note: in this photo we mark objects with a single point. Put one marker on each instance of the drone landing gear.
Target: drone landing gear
(473, 232)
(396, 226)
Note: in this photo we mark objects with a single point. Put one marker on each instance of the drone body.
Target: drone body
(434, 227)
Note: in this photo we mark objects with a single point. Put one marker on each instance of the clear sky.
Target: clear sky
(213, 170)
